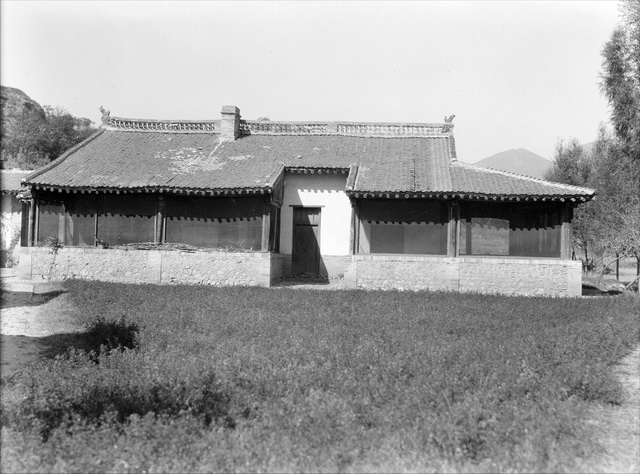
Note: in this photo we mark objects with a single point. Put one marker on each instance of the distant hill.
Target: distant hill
(33, 135)
(15, 105)
(519, 161)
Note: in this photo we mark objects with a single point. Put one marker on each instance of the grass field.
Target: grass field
(251, 379)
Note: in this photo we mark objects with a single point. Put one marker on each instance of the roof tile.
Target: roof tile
(473, 179)
(10, 181)
(200, 161)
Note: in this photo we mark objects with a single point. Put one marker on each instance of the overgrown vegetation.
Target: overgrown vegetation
(31, 140)
(610, 225)
(238, 379)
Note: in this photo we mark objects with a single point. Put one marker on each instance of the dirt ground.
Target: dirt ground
(627, 274)
(619, 427)
(33, 327)
(36, 327)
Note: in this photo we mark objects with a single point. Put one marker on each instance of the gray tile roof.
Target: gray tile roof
(149, 160)
(10, 181)
(474, 180)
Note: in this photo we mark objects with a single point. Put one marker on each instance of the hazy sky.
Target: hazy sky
(516, 74)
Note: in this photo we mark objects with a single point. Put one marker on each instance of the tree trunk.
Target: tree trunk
(586, 260)
(605, 268)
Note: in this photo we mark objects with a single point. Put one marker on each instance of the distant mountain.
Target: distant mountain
(518, 161)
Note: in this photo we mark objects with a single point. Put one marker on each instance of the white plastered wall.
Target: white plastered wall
(10, 224)
(326, 191)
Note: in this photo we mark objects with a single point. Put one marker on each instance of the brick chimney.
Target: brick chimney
(230, 123)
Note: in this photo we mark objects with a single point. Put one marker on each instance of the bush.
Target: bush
(104, 335)
(74, 390)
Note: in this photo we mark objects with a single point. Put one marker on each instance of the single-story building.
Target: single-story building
(10, 189)
(233, 201)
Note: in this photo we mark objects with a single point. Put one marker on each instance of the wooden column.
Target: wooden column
(352, 229)
(95, 224)
(566, 232)
(160, 219)
(276, 232)
(32, 222)
(266, 224)
(453, 230)
(355, 227)
(62, 221)
(468, 236)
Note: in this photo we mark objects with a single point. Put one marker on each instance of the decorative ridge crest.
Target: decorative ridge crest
(151, 125)
(359, 129)
(255, 127)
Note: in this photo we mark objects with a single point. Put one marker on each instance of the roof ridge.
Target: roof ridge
(522, 176)
(63, 157)
(345, 128)
(161, 125)
(287, 127)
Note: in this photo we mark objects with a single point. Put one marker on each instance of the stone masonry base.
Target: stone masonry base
(149, 266)
(503, 275)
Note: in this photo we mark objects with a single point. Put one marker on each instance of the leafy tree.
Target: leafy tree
(31, 142)
(571, 165)
(614, 216)
(610, 224)
(63, 131)
(621, 78)
(620, 174)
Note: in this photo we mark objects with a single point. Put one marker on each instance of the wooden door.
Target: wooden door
(306, 241)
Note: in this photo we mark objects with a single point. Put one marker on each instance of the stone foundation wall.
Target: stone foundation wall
(404, 272)
(521, 276)
(91, 264)
(147, 266)
(508, 276)
(216, 268)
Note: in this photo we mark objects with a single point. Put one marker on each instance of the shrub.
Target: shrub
(104, 335)
(73, 389)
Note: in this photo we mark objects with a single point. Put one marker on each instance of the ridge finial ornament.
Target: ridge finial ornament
(449, 119)
(106, 115)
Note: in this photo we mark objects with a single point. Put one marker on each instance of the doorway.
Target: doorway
(305, 257)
